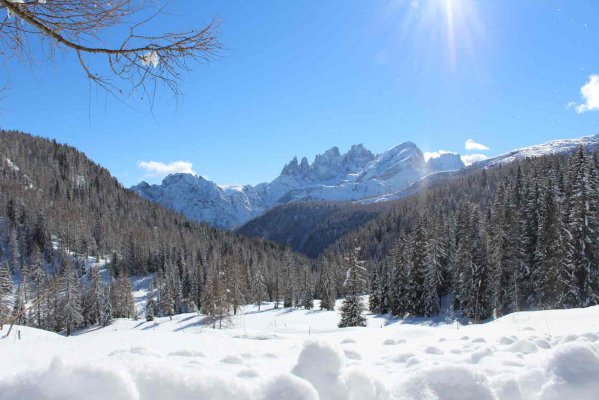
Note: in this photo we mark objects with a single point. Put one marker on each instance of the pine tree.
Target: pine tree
(417, 272)
(433, 275)
(307, 299)
(5, 293)
(37, 284)
(327, 301)
(550, 277)
(19, 312)
(258, 286)
(150, 309)
(106, 311)
(374, 299)
(165, 297)
(580, 223)
(92, 298)
(14, 252)
(399, 295)
(288, 281)
(70, 294)
(352, 309)
(122, 298)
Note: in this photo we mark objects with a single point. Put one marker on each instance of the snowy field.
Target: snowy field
(297, 354)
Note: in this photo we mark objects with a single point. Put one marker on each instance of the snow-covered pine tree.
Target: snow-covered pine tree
(19, 312)
(70, 298)
(106, 312)
(165, 297)
(529, 218)
(235, 284)
(150, 309)
(37, 285)
(288, 281)
(92, 297)
(384, 277)
(399, 296)
(550, 277)
(352, 309)
(307, 298)
(258, 285)
(417, 274)
(374, 295)
(327, 301)
(580, 228)
(14, 252)
(216, 303)
(434, 270)
(5, 293)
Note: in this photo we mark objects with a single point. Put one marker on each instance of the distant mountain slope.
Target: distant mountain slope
(355, 175)
(561, 146)
(311, 227)
(50, 190)
(281, 224)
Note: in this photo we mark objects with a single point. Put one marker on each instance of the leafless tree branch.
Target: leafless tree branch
(145, 61)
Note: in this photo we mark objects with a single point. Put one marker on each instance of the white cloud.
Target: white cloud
(472, 145)
(590, 93)
(160, 169)
(472, 158)
(435, 154)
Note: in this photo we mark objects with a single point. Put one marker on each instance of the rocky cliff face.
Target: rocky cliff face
(355, 175)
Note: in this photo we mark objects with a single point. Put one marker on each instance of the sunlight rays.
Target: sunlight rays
(448, 28)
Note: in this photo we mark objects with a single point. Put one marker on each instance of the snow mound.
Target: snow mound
(289, 387)
(574, 369)
(323, 366)
(449, 383)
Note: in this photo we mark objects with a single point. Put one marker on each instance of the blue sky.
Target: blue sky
(298, 77)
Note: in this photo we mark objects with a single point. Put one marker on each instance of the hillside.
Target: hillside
(57, 207)
(311, 227)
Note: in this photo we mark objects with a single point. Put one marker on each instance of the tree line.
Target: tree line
(530, 241)
(59, 211)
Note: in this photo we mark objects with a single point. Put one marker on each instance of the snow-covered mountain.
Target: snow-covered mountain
(355, 175)
(358, 175)
(548, 148)
(561, 146)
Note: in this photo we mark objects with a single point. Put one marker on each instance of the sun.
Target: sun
(451, 26)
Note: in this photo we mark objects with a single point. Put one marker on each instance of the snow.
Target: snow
(150, 58)
(12, 165)
(548, 148)
(355, 175)
(296, 354)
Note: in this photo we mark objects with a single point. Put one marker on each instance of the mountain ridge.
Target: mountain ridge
(332, 176)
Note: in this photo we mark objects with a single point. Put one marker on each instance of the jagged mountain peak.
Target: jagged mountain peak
(446, 162)
(354, 175)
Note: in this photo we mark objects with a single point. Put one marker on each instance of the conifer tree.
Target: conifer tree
(327, 301)
(70, 299)
(434, 270)
(5, 293)
(352, 309)
(92, 298)
(307, 297)
(106, 313)
(258, 286)
(37, 284)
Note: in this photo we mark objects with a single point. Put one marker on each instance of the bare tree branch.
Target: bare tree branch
(145, 61)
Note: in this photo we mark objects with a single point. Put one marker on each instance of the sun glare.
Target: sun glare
(449, 26)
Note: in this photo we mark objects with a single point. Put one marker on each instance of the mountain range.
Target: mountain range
(358, 175)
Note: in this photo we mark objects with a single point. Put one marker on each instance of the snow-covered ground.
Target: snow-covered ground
(297, 354)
